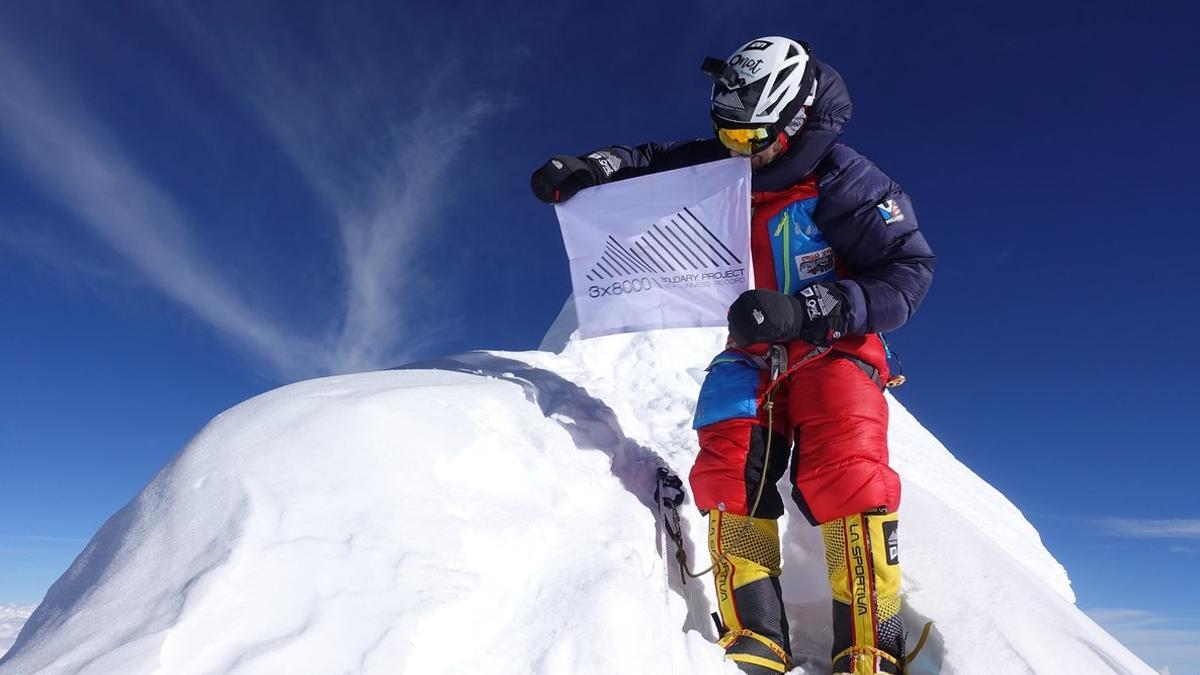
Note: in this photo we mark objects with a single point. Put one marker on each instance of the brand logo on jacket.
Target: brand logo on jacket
(890, 211)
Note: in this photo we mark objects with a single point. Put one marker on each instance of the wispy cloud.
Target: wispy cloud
(43, 538)
(32, 243)
(1142, 528)
(1163, 641)
(386, 203)
(377, 133)
(29, 546)
(76, 161)
(379, 154)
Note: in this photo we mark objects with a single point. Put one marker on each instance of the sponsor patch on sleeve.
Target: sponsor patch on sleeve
(890, 211)
(608, 162)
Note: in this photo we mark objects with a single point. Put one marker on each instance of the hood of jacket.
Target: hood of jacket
(827, 117)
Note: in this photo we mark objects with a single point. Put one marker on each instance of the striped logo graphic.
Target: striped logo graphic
(680, 243)
(667, 250)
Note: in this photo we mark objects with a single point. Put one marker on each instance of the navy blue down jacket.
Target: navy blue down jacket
(885, 265)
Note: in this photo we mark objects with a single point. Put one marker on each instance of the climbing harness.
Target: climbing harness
(781, 371)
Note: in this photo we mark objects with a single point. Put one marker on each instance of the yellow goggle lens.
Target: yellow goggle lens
(742, 141)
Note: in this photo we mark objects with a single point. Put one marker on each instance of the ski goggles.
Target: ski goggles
(745, 141)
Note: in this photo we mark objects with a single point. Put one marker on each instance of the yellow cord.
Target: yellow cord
(920, 643)
(769, 404)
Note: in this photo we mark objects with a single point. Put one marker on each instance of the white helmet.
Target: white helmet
(767, 83)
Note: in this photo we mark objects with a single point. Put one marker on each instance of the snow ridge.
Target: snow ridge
(493, 513)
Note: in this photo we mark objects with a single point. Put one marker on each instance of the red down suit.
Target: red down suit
(838, 218)
(828, 413)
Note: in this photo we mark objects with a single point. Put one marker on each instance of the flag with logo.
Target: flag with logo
(667, 250)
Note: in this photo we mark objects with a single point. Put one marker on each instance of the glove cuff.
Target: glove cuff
(825, 308)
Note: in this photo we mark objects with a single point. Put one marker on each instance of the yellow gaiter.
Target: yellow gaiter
(862, 554)
(746, 565)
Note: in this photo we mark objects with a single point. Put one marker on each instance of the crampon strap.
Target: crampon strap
(863, 650)
(855, 650)
(732, 636)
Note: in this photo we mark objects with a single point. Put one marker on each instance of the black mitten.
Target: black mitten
(560, 178)
(817, 314)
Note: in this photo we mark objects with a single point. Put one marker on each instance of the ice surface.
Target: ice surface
(493, 513)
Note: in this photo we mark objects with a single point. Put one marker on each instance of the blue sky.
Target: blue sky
(199, 203)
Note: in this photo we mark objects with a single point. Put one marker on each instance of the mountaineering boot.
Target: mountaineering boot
(746, 566)
(864, 574)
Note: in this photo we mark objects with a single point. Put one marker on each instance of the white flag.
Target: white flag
(667, 250)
